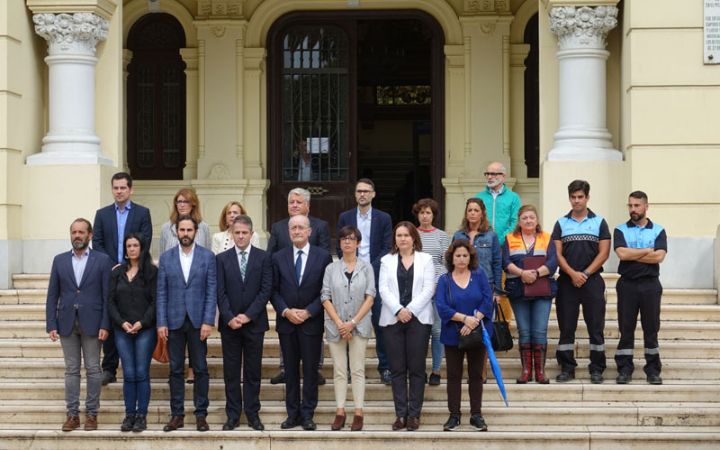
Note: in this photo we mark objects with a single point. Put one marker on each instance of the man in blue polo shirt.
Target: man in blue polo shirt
(641, 246)
(582, 240)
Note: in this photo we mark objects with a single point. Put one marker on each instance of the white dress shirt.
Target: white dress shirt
(364, 224)
(304, 258)
(186, 260)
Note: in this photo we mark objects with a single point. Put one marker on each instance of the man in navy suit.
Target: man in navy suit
(376, 229)
(297, 282)
(298, 204)
(112, 224)
(186, 299)
(244, 277)
(76, 314)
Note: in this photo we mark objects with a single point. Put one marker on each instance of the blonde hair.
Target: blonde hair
(223, 222)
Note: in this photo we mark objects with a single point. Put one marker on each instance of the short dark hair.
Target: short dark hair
(82, 220)
(464, 243)
(579, 185)
(640, 195)
(122, 176)
(244, 219)
(426, 203)
(348, 230)
(187, 217)
(366, 181)
(417, 243)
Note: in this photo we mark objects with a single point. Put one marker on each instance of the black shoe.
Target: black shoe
(477, 422)
(654, 379)
(128, 423)
(623, 378)
(385, 377)
(596, 378)
(452, 424)
(230, 424)
(321, 379)
(140, 424)
(108, 377)
(434, 379)
(308, 425)
(279, 378)
(564, 377)
(255, 423)
(290, 422)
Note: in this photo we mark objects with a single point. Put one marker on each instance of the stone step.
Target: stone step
(670, 349)
(674, 369)
(23, 296)
(31, 280)
(699, 391)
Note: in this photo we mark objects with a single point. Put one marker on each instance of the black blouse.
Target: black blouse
(405, 281)
(130, 301)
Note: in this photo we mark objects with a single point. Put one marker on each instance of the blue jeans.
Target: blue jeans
(436, 347)
(532, 317)
(135, 353)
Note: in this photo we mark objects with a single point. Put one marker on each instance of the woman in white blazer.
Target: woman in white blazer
(407, 284)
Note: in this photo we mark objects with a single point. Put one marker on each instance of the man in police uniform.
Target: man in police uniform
(582, 240)
(641, 246)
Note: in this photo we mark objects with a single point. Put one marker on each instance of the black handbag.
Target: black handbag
(501, 339)
(472, 340)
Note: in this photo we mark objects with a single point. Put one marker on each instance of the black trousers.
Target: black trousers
(189, 336)
(407, 345)
(642, 295)
(567, 307)
(454, 358)
(242, 352)
(111, 358)
(300, 347)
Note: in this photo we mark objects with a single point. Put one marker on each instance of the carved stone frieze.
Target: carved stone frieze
(220, 8)
(76, 33)
(486, 6)
(219, 172)
(582, 27)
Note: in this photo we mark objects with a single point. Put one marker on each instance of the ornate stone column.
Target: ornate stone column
(582, 134)
(71, 137)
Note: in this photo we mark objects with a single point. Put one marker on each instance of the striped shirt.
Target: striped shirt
(435, 242)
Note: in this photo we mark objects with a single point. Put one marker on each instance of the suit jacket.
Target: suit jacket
(280, 236)
(422, 290)
(65, 298)
(380, 234)
(249, 297)
(288, 294)
(105, 236)
(196, 298)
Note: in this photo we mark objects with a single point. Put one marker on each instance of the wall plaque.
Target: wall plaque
(711, 32)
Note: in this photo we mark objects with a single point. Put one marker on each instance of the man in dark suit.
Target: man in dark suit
(112, 224)
(297, 282)
(298, 204)
(244, 277)
(376, 229)
(186, 299)
(76, 314)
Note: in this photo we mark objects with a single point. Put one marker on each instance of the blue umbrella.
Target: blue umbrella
(494, 363)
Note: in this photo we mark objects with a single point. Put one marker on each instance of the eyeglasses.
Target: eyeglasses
(362, 191)
(493, 174)
(182, 202)
(348, 239)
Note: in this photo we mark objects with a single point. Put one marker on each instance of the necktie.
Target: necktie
(298, 266)
(243, 264)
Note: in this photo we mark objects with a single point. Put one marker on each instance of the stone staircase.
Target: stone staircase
(683, 412)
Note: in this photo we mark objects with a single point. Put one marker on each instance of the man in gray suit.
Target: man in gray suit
(186, 298)
(76, 314)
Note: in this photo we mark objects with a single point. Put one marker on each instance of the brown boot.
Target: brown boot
(539, 352)
(526, 355)
(71, 423)
(90, 423)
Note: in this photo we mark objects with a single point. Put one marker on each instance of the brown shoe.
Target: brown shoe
(175, 423)
(90, 423)
(357, 424)
(201, 424)
(413, 423)
(399, 423)
(71, 423)
(338, 423)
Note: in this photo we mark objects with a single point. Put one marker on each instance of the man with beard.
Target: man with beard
(641, 246)
(76, 314)
(186, 298)
(501, 202)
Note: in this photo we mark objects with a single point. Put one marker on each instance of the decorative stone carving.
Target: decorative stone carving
(582, 27)
(219, 172)
(486, 6)
(76, 33)
(218, 31)
(487, 27)
(220, 8)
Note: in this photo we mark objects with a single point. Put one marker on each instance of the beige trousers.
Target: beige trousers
(339, 353)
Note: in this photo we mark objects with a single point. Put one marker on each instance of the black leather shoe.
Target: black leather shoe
(290, 422)
(477, 422)
(564, 377)
(230, 424)
(385, 377)
(623, 378)
(596, 378)
(255, 423)
(140, 424)
(452, 424)
(321, 379)
(309, 425)
(175, 423)
(279, 378)
(128, 423)
(201, 424)
(654, 379)
(108, 377)
(434, 379)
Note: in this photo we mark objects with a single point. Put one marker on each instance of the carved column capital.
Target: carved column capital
(74, 33)
(582, 26)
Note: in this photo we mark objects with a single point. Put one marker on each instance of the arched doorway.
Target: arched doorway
(156, 98)
(355, 94)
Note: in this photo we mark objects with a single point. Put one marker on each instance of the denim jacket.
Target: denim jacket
(489, 255)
